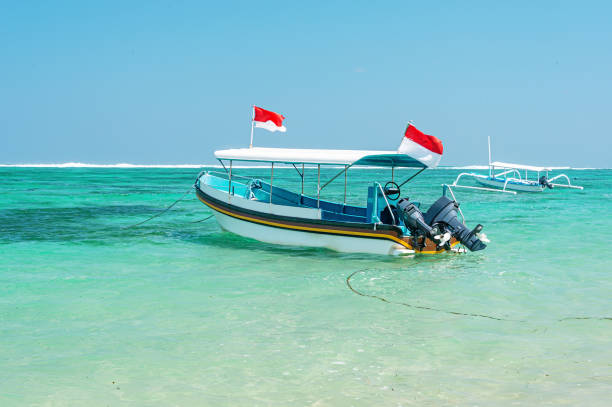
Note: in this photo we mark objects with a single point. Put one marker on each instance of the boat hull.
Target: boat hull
(288, 237)
(510, 186)
(285, 230)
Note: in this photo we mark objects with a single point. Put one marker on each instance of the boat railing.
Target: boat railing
(245, 185)
(197, 180)
(446, 187)
(225, 175)
(388, 205)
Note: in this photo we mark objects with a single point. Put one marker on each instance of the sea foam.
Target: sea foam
(277, 165)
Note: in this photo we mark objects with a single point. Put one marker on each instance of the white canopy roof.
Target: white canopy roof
(500, 164)
(308, 156)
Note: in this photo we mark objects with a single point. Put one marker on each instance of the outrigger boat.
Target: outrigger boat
(507, 177)
(385, 224)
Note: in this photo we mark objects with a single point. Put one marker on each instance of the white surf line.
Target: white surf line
(128, 166)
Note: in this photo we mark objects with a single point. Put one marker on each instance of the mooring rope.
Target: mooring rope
(579, 318)
(348, 283)
(202, 220)
(160, 213)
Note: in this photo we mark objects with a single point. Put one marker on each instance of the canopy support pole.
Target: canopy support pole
(319, 184)
(346, 167)
(392, 171)
(271, 180)
(223, 165)
(345, 172)
(252, 125)
(301, 176)
(414, 175)
(229, 186)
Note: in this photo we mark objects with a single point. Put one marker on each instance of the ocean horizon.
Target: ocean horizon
(129, 165)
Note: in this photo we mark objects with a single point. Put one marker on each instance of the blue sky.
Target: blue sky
(170, 82)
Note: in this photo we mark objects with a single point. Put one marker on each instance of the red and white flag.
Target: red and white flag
(268, 120)
(425, 148)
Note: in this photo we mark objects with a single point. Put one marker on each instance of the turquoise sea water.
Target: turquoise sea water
(181, 313)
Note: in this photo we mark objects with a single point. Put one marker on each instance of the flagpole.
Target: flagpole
(252, 125)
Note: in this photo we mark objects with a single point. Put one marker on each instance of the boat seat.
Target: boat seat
(386, 218)
(280, 196)
(284, 197)
(334, 207)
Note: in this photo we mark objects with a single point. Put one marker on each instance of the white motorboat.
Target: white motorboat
(385, 224)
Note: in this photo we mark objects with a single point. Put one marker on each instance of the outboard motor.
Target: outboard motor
(443, 214)
(413, 218)
(439, 223)
(415, 222)
(544, 182)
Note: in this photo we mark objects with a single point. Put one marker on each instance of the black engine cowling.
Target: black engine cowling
(544, 182)
(439, 223)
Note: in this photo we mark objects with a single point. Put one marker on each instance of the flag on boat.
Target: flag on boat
(268, 120)
(425, 148)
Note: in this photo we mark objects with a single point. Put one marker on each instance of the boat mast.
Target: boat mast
(252, 125)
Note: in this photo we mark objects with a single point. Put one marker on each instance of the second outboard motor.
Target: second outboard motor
(544, 182)
(443, 215)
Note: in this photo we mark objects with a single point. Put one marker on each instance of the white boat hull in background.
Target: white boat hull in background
(509, 186)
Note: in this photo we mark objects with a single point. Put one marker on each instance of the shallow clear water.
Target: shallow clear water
(181, 313)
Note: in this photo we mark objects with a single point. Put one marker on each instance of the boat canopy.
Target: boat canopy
(500, 164)
(308, 156)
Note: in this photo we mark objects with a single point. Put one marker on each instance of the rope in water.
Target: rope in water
(202, 220)
(579, 318)
(162, 212)
(348, 283)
